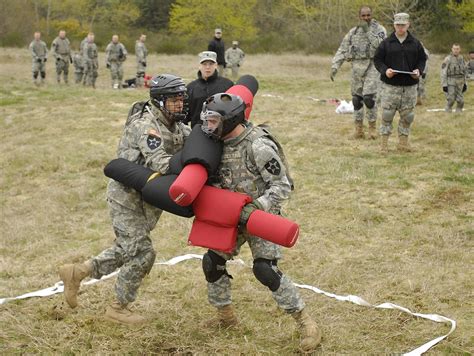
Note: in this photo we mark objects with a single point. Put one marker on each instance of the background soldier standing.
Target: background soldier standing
(91, 61)
(399, 52)
(141, 53)
(39, 53)
(265, 179)
(421, 90)
(116, 54)
(78, 62)
(234, 57)
(470, 66)
(217, 45)
(150, 138)
(358, 47)
(62, 52)
(453, 79)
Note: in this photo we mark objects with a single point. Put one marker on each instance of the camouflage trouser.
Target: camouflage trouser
(90, 71)
(234, 69)
(62, 66)
(132, 251)
(116, 72)
(401, 99)
(286, 296)
(421, 91)
(365, 84)
(38, 67)
(455, 93)
(79, 74)
(141, 69)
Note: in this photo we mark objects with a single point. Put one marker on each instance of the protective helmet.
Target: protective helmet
(164, 86)
(221, 113)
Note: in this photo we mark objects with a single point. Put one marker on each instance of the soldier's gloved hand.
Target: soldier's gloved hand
(445, 89)
(423, 75)
(464, 87)
(333, 73)
(39, 60)
(144, 64)
(247, 211)
(44, 60)
(58, 59)
(107, 65)
(364, 25)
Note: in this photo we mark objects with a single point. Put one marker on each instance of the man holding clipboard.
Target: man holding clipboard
(401, 60)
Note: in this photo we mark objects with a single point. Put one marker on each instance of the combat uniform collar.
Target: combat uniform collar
(210, 79)
(393, 37)
(236, 140)
(160, 117)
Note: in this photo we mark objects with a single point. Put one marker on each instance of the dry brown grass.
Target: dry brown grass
(392, 228)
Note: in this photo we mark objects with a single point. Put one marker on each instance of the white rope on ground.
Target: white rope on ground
(59, 288)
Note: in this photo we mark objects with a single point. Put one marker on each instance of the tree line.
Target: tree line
(185, 26)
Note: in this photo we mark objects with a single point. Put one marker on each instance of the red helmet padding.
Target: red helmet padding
(188, 184)
(219, 207)
(222, 238)
(273, 228)
(245, 94)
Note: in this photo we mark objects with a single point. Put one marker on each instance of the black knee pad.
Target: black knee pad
(35, 74)
(369, 101)
(263, 271)
(358, 102)
(213, 266)
(43, 75)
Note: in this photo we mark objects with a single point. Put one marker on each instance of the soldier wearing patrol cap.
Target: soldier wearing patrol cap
(401, 60)
(208, 83)
(151, 136)
(358, 47)
(217, 45)
(234, 57)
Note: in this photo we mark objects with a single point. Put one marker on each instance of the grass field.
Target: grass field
(389, 228)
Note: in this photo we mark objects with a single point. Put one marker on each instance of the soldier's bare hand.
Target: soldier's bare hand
(390, 73)
(416, 74)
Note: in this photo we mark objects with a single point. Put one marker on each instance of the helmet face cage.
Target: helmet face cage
(165, 86)
(228, 108)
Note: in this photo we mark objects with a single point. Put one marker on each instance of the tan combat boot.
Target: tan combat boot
(403, 145)
(72, 275)
(372, 130)
(359, 130)
(384, 143)
(309, 332)
(119, 313)
(225, 317)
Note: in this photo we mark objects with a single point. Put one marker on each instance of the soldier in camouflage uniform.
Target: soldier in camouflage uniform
(116, 54)
(150, 138)
(141, 53)
(78, 62)
(358, 47)
(470, 66)
(252, 164)
(39, 54)
(421, 90)
(91, 61)
(62, 52)
(453, 79)
(234, 57)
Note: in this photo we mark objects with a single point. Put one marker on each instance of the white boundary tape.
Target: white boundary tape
(59, 288)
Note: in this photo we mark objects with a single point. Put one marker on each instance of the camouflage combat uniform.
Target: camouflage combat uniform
(453, 76)
(146, 141)
(62, 53)
(359, 47)
(91, 63)
(264, 179)
(141, 53)
(470, 69)
(39, 53)
(422, 81)
(234, 58)
(78, 62)
(116, 54)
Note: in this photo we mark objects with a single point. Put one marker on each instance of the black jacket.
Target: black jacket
(217, 45)
(406, 56)
(199, 90)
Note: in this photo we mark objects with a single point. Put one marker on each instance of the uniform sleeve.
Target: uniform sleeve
(32, 51)
(139, 53)
(376, 37)
(242, 56)
(273, 172)
(54, 48)
(444, 72)
(107, 53)
(151, 147)
(342, 52)
(124, 50)
(45, 50)
(227, 55)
